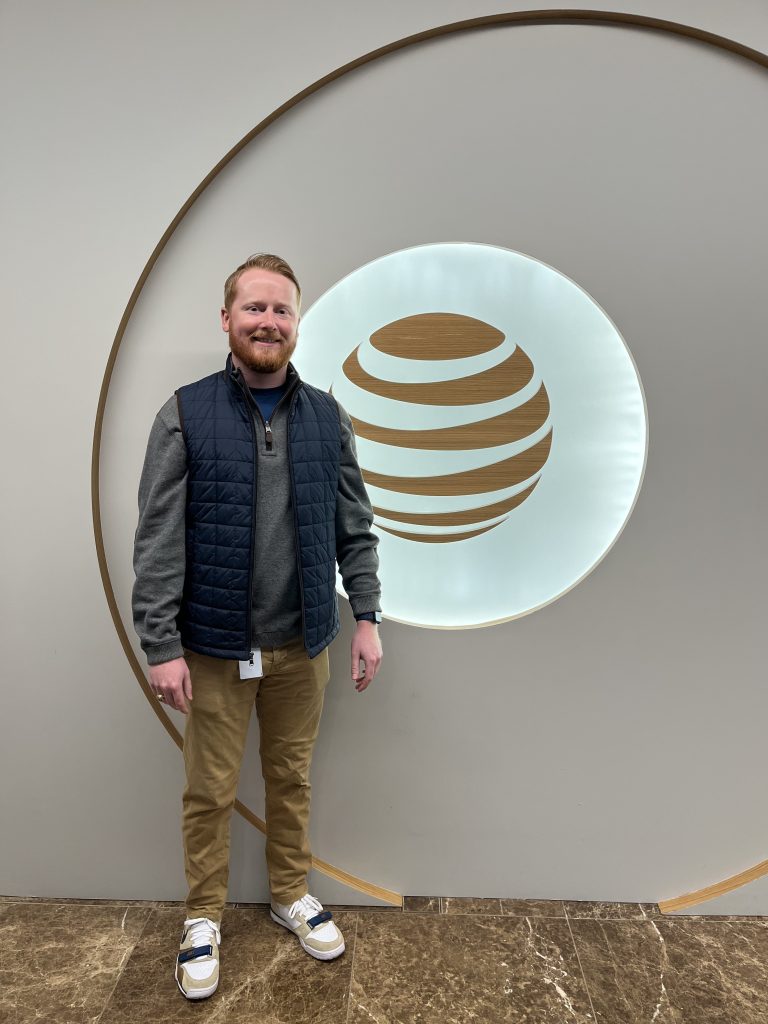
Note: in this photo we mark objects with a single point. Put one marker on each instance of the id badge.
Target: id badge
(251, 669)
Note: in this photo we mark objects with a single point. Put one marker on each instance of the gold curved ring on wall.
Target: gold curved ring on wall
(536, 404)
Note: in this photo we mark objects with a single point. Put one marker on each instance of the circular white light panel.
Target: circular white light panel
(504, 471)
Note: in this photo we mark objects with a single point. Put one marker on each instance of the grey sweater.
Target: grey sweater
(159, 547)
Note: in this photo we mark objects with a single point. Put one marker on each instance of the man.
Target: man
(250, 495)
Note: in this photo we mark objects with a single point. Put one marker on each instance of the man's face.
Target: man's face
(263, 323)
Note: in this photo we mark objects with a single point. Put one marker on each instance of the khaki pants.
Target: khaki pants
(289, 701)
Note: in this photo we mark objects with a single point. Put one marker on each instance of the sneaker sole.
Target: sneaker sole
(316, 953)
(199, 993)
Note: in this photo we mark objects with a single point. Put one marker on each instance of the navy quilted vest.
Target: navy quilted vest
(216, 418)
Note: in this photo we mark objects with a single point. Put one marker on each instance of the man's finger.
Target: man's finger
(187, 685)
(371, 668)
(364, 679)
(179, 702)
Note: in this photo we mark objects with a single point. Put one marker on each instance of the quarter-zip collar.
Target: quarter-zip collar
(235, 375)
(292, 382)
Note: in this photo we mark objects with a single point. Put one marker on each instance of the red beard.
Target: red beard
(261, 360)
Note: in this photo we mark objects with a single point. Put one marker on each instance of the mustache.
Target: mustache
(265, 336)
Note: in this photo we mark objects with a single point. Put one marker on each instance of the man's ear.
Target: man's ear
(224, 318)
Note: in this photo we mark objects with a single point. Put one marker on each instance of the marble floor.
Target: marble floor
(440, 960)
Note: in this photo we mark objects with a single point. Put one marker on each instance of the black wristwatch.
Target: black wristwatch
(369, 617)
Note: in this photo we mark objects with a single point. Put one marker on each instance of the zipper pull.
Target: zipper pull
(268, 434)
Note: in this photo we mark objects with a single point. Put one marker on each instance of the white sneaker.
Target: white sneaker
(197, 965)
(312, 925)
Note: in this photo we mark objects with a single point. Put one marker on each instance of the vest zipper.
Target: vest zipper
(268, 437)
(296, 522)
(268, 432)
(248, 398)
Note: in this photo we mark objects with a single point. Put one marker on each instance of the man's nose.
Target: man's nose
(269, 318)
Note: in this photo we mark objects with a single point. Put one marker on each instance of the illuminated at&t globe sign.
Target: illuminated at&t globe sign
(500, 425)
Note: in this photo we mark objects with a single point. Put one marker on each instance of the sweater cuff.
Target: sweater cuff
(365, 603)
(160, 653)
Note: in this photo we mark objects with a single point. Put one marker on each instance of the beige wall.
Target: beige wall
(607, 747)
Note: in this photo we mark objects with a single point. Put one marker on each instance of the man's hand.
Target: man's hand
(366, 647)
(173, 683)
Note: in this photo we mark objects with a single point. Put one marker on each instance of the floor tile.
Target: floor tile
(266, 977)
(579, 909)
(435, 969)
(714, 918)
(650, 910)
(60, 961)
(76, 901)
(470, 905)
(353, 908)
(675, 972)
(533, 908)
(421, 904)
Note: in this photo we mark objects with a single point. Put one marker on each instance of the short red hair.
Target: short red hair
(258, 261)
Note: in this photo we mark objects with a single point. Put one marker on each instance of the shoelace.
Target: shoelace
(307, 906)
(202, 932)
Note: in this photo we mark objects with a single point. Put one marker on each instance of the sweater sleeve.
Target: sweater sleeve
(159, 543)
(355, 542)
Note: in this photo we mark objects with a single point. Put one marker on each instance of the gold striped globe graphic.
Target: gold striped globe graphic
(433, 337)
(499, 422)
